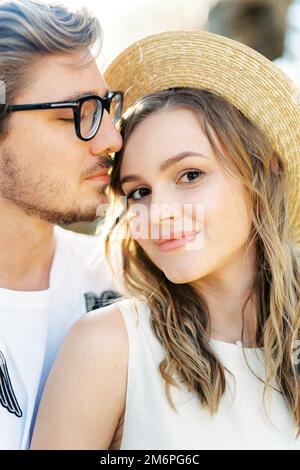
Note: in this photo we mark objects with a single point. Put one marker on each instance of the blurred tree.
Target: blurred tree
(260, 24)
(89, 228)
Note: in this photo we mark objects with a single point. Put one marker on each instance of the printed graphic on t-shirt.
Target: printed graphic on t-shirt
(7, 395)
(94, 301)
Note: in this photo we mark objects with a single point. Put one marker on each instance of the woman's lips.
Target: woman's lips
(176, 241)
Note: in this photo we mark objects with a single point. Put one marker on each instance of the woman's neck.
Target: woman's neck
(225, 293)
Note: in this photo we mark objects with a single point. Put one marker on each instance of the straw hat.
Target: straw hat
(238, 73)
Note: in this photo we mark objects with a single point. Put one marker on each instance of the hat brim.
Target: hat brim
(228, 68)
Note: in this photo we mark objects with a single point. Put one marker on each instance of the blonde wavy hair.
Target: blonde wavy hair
(30, 30)
(179, 315)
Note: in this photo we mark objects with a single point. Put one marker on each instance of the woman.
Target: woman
(203, 351)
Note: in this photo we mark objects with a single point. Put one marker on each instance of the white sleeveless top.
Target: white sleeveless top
(240, 423)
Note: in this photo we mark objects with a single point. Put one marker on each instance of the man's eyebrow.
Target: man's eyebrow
(76, 96)
(166, 164)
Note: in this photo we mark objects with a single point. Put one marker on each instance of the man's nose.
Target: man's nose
(108, 139)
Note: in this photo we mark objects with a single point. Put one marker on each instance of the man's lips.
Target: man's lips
(100, 176)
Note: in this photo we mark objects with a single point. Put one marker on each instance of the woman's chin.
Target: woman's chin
(180, 277)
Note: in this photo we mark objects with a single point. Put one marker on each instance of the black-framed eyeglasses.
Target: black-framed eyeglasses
(87, 111)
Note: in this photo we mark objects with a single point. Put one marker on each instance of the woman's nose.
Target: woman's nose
(165, 212)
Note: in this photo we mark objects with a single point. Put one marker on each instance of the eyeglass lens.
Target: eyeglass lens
(91, 113)
(90, 116)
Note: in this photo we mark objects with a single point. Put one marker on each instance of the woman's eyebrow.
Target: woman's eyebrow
(165, 165)
(172, 160)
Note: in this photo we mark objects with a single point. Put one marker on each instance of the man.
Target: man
(54, 162)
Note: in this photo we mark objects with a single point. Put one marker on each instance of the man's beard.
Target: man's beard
(35, 194)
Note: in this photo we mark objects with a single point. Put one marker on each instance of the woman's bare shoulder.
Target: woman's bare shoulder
(84, 397)
(100, 329)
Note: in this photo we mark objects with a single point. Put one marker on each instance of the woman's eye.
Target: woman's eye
(191, 175)
(138, 194)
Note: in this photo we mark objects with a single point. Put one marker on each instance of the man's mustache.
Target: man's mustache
(105, 163)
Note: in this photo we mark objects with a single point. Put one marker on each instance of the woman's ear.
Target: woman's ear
(276, 164)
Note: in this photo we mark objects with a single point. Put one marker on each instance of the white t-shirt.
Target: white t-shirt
(241, 421)
(33, 324)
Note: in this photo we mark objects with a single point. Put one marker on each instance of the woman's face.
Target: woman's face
(187, 213)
